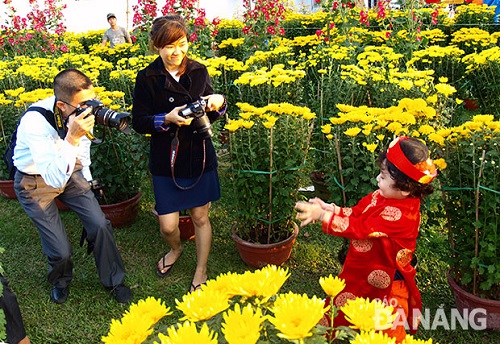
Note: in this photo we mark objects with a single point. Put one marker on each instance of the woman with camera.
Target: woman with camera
(174, 102)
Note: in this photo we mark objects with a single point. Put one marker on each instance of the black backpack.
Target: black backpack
(9, 151)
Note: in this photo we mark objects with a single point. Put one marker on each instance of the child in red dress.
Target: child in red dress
(383, 229)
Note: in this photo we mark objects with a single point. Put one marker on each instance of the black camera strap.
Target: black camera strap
(174, 148)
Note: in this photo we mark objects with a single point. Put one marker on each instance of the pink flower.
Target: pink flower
(363, 18)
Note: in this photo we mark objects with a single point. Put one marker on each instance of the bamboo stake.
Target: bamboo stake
(476, 248)
(270, 185)
(337, 147)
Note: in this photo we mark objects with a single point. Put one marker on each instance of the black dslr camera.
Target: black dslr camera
(107, 117)
(202, 124)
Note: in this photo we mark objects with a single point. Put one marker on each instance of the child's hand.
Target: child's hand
(325, 206)
(308, 212)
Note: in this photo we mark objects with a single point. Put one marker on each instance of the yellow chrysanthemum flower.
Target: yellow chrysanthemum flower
(352, 131)
(268, 124)
(395, 127)
(445, 89)
(432, 99)
(372, 337)
(440, 163)
(426, 129)
(188, 333)
(483, 118)
(246, 115)
(263, 283)
(248, 124)
(296, 315)
(326, 129)
(367, 315)
(137, 323)
(370, 146)
(15, 93)
(271, 119)
(202, 304)
(242, 325)
(232, 125)
(437, 138)
(332, 285)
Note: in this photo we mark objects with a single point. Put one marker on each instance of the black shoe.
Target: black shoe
(59, 295)
(121, 292)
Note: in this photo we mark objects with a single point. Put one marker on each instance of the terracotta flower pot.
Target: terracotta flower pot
(186, 226)
(320, 186)
(471, 104)
(7, 189)
(467, 301)
(61, 205)
(260, 255)
(124, 213)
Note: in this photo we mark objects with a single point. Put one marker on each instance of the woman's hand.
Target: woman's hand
(214, 102)
(174, 117)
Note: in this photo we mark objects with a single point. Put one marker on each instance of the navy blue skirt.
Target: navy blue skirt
(170, 198)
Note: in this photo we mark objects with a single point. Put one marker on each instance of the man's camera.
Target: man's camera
(107, 117)
(202, 124)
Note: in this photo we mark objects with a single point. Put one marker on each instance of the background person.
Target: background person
(190, 181)
(49, 167)
(383, 229)
(115, 34)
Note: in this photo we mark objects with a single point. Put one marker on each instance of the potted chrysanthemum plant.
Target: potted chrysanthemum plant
(471, 189)
(268, 148)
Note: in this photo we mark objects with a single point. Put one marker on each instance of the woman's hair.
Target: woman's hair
(415, 151)
(69, 82)
(167, 30)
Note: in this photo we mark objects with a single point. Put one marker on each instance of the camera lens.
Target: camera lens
(108, 117)
(203, 127)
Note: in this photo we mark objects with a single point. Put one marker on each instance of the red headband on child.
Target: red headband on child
(423, 172)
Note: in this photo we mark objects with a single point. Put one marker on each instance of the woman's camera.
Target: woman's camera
(202, 124)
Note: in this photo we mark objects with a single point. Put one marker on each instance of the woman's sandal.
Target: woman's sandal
(196, 287)
(165, 266)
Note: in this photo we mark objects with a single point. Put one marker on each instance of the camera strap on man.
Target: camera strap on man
(8, 155)
(174, 148)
